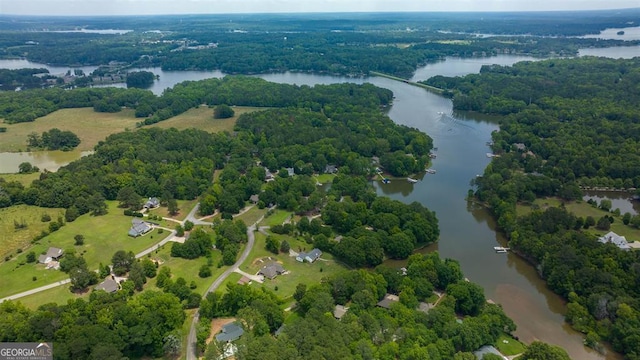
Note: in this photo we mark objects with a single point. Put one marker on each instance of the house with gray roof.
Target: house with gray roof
(270, 271)
(617, 240)
(310, 257)
(109, 285)
(139, 227)
(53, 254)
(152, 203)
(230, 332)
(290, 171)
(388, 300)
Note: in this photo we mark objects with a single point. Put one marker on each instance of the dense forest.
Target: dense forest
(308, 130)
(567, 125)
(461, 323)
(107, 326)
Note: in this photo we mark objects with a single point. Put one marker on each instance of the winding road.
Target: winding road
(191, 340)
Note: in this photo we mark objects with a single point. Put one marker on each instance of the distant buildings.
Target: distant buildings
(617, 240)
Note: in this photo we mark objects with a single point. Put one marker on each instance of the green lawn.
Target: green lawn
(251, 216)
(90, 126)
(104, 235)
(202, 118)
(584, 209)
(298, 272)
(188, 269)
(508, 346)
(277, 218)
(59, 295)
(184, 207)
(24, 179)
(325, 178)
(12, 239)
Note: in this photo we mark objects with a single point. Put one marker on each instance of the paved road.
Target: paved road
(191, 340)
(66, 281)
(192, 217)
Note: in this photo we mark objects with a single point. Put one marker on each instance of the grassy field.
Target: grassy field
(12, 239)
(511, 346)
(24, 179)
(584, 209)
(184, 207)
(188, 269)
(298, 272)
(202, 118)
(325, 178)
(59, 295)
(277, 218)
(251, 216)
(104, 235)
(90, 126)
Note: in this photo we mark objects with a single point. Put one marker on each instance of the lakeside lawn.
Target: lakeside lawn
(583, 209)
(12, 239)
(298, 272)
(90, 126)
(202, 118)
(104, 235)
(509, 346)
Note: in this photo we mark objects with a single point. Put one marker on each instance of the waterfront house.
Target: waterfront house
(617, 240)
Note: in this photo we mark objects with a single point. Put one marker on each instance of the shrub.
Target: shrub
(45, 218)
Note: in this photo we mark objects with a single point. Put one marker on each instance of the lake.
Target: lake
(467, 233)
(630, 33)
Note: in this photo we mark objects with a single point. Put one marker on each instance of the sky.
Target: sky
(153, 7)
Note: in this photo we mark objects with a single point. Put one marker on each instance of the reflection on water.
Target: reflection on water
(619, 200)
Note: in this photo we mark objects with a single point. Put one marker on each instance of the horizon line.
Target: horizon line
(322, 12)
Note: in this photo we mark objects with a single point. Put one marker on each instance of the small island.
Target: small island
(621, 32)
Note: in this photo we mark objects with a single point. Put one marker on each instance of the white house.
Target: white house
(617, 240)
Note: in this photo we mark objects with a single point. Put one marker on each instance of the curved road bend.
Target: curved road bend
(191, 340)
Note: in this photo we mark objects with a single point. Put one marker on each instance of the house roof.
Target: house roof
(520, 146)
(271, 270)
(254, 198)
(487, 349)
(619, 241)
(42, 259)
(291, 171)
(388, 300)
(230, 332)
(109, 285)
(339, 311)
(139, 227)
(152, 202)
(330, 169)
(314, 254)
(54, 252)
